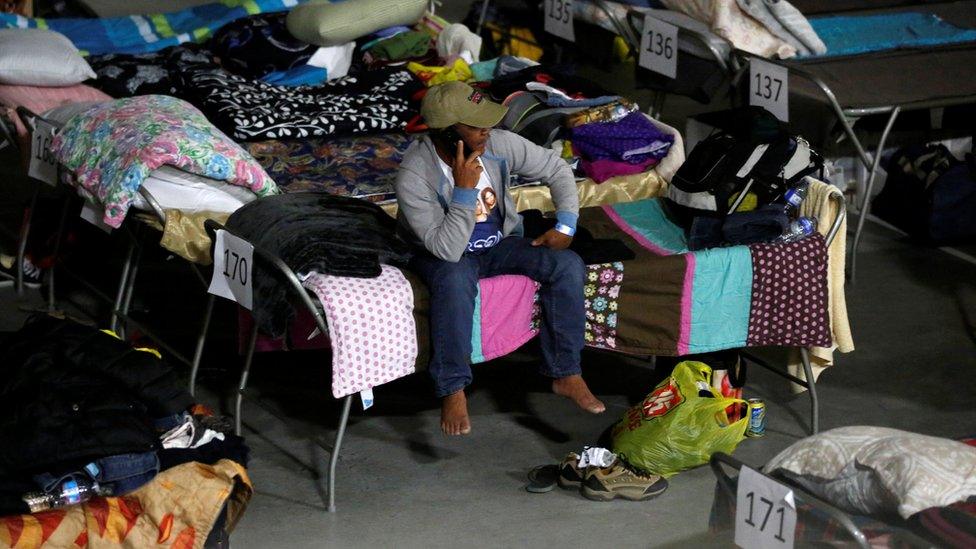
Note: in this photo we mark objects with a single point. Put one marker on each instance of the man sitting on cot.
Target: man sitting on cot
(454, 202)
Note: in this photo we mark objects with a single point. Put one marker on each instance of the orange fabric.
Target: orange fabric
(175, 510)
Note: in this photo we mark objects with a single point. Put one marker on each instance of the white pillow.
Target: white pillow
(38, 57)
(880, 471)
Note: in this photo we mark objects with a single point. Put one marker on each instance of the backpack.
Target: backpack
(930, 194)
(529, 116)
(758, 161)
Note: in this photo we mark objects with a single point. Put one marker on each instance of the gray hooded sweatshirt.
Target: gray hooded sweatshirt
(435, 215)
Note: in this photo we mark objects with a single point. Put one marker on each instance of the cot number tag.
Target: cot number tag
(95, 216)
(659, 47)
(769, 87)
(232, 268)
(765, 512)
(559, 18)
(43, 165)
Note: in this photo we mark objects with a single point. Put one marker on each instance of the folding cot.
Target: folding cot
(642, 233)
(817, 522)
(859, 85)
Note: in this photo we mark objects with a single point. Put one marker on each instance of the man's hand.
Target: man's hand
(553, 239)
(467, 171)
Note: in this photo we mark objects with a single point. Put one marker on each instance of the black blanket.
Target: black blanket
(329, 234)
(247, 109)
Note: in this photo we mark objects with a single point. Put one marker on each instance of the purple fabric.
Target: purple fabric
(633, 139)
(601, 170)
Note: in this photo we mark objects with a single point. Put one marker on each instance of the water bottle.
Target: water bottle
(71, 491)
(794, 197)
(799, 229)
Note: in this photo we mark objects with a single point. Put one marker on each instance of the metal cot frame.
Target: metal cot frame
(121, 303)
(291, 280)
(720, 461)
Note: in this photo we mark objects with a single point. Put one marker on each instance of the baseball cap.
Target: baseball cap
(453, 102)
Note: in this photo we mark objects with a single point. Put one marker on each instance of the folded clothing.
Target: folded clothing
(601, 170)
(634, 139)
(432, 76)
(259, 44)
(305, 75)
(318, 232)
(402, 46)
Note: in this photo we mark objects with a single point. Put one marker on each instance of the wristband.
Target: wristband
(565, 229)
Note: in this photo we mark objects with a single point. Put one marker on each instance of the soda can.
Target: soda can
(757, 418)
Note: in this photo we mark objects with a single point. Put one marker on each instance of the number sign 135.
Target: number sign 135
(765, 512)
(559, 19)
(233, 258)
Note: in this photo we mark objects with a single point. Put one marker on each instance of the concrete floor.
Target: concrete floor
(401, 483)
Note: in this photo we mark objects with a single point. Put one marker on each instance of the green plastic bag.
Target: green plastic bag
(675, 428)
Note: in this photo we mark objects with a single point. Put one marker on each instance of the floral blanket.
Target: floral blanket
(112, 147)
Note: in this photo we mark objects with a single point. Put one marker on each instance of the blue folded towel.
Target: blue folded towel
(852, 35)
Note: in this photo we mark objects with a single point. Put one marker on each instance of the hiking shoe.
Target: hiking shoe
(620, 481)
(570, 476)
(32, 273)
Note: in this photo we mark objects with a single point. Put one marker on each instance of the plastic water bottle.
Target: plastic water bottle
(799, 229)
(794, 197)
(72, 491)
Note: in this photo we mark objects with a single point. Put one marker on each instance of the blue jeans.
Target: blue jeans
(116, 475)
(454, 286)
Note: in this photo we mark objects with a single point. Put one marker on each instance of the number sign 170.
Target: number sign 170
(235, 267)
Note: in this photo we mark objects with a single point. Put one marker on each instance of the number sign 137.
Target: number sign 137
(769, 87)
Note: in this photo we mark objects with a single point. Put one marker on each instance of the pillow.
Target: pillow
(38, 57)
(879, 471)
(325, 23)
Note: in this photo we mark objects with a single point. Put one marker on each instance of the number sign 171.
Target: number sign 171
(765, 514)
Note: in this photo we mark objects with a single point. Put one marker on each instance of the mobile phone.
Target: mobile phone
(451, 137)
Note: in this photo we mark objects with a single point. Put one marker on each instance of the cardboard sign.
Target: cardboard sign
(43, 165)
(765, 512)
(95, 216)
(559, 18)
(659, 47)
(233, 258)
(769, 87)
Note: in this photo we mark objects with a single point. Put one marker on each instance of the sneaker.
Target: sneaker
(570, 476)
(32, 273)
(619, 480)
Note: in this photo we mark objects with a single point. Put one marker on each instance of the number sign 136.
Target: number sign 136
(559, 19)
(659, 47)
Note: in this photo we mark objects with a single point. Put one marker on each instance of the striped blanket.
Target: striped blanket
(148, 33)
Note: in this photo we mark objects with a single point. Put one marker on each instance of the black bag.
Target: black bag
(755, 157)
(930, 194)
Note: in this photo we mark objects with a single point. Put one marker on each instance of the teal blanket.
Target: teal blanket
(148, 33)
(854, 35)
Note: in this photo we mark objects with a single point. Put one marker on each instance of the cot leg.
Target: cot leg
(59, 236)
(334, 460)
(22, 241)
(248, 357)
(482, 17)
(812, 388)
(120, 295)
(201, 340)
(129, 290)
(866, 203)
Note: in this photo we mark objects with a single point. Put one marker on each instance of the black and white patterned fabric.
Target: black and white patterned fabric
(247, 109)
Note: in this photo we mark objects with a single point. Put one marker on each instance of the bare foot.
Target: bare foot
(574, 388)
(454, 414)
